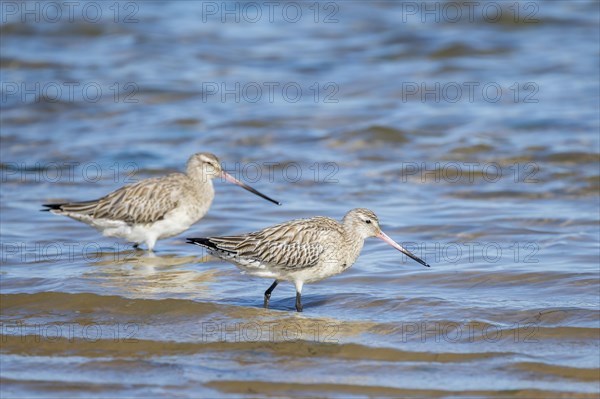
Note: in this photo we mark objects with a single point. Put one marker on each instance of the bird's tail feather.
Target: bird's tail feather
(86, 207)
(212, 246)
(203, 242)
(51, 207)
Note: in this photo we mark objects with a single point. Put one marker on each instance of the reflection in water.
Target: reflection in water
(148, 275)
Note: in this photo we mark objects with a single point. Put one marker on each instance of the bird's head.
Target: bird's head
(364, 223)
(206, 166)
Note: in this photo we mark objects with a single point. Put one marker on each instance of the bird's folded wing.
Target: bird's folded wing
(144, 202)
(293, 245)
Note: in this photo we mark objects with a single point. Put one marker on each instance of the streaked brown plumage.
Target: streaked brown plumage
(304, 250)
(146, 201)
(155, 208)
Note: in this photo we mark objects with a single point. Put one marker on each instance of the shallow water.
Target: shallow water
(496, 189)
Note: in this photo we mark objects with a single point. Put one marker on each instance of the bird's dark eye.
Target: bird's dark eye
(368, 221)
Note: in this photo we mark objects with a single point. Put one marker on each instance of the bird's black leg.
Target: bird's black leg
(298, 301)
(268, 294)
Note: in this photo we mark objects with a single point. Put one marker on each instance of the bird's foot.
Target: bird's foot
(266, 302)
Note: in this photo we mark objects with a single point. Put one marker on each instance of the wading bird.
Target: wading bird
(300, 251)
(156, 208)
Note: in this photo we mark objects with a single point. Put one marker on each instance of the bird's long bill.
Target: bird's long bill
(406, 252)
(235, 181)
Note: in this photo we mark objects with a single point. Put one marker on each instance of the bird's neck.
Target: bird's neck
(202, 182)
(354, 243)
(199, 176)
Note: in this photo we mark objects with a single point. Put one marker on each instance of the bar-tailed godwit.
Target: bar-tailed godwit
(301, 251)
(155, 208)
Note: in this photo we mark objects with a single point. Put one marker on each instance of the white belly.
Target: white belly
(310, 274)
(174, 223)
